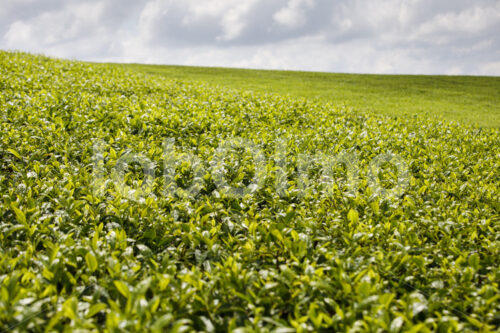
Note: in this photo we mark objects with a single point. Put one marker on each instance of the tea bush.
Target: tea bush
(79, 251)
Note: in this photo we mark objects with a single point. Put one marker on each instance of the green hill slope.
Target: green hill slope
(136, 203)
(467, 99)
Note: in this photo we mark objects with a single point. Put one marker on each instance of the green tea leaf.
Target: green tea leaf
(20, 216)
(91, 262)
(353, 216)
(95, 309)
(122, 288)
(14, 152)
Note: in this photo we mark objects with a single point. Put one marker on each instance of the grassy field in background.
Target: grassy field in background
(467, 99)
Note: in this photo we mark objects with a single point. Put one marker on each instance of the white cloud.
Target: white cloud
(149, 17)
(490, 68)
(233, 20)
(293, 14)
(446, 27)
(50, 31)
(385, 36)
(19, 33)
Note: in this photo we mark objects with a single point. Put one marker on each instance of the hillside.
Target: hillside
(132, 202)
(466, 99)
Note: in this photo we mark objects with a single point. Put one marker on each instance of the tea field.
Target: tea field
(473, 100)
(136, 202)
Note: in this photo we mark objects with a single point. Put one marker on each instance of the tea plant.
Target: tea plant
(77, 253)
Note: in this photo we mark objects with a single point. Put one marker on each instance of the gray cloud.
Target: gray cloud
(386, 36)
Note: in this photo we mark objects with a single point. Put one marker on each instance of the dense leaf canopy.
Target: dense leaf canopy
(301, 256)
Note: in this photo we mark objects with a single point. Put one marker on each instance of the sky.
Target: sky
(354, 36)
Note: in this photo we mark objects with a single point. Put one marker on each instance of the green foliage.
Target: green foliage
(73, 257)
(470, 100)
